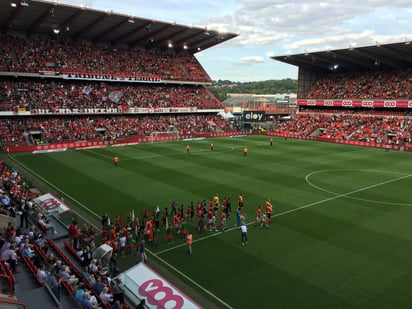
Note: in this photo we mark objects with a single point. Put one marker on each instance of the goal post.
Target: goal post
(157, 136)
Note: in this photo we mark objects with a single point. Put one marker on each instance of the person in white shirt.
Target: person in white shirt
(42, 275)
(105, 296)
(243, 231)
(47, 226)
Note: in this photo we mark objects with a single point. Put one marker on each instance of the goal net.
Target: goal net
(158, 136)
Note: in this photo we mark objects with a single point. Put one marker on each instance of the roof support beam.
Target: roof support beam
(132, 32)
(71, 19)
(91, 25)
(40, 20)
(149, 35)
(111, 29)
(170, 37)
(10, 20)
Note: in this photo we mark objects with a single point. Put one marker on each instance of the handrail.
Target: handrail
(10, 281)
(12, 303)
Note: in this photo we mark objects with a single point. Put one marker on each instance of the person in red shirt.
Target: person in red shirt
(187, 148)
(258, 215)
(74, 234)
(271, 141)
(176, 223)
(115, 161)
(222, 224)
(211, 146)
(245, 150)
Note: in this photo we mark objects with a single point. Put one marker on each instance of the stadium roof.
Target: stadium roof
(378, 57)
(50, 18)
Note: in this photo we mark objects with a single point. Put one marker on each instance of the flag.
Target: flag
(115, 96)
(132, 215)
(87, 90)
(167, 223)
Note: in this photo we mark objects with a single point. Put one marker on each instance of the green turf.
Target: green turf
(340, 238)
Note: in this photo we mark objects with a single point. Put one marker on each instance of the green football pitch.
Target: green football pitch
(341, 234)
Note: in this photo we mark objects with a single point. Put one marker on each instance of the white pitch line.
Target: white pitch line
(351, 197)
(341, 195)
(162, 155)
(55, 187)
(295, 209)
(194, 282)
(149, 251)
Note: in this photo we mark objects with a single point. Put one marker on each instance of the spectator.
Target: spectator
(142, 304)
(9, 255)
(74, 234)
(105, 296)
(65, 275)
(45, 225)
(42, 275)
(118, 290)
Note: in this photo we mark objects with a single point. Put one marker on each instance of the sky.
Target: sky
(268, 28)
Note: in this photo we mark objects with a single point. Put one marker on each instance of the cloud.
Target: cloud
(266, 22)
(365, 38)
(250, 60)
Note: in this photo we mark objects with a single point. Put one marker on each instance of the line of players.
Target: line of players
(148, 227)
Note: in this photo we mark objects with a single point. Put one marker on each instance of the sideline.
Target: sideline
(98, 229)
(57, 189)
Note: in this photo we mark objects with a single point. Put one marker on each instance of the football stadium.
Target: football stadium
(127, 184)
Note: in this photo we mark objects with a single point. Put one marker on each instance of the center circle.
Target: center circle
(348, 195)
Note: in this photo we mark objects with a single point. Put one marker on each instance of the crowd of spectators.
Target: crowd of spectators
(18, 131)
(362, 85)
(57, 94)
(31, 55)
(24, 240)
(355, 127)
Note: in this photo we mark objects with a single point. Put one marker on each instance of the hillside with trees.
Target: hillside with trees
(221, 88)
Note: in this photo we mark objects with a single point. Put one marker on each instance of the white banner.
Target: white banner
(111, 77)
(157, 291)
(51, 204)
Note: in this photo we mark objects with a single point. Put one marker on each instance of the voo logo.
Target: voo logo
(159, 295)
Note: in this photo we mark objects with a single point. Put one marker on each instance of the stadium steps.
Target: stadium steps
(34, 296)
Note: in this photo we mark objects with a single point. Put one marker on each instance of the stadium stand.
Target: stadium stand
(55, 95)
(348, 96)
(362, 85)
(31, 55)
(75, 87)
(49, 130)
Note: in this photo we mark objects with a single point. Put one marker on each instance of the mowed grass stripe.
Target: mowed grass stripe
(339, 252)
